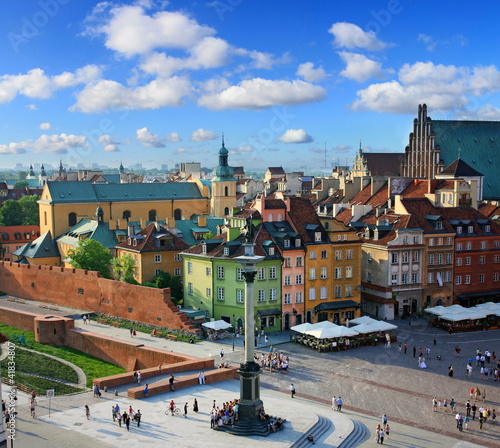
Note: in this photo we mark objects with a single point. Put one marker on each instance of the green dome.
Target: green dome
(223, 171)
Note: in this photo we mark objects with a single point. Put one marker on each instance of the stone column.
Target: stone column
(249, 316)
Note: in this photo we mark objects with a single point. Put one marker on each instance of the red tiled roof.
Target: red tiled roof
(419, 188)
(148, 244)
(34, 232)
(489, 209)
(344, 216)
(362, 196)
(302, 213)
(270, 204)
(380, 197)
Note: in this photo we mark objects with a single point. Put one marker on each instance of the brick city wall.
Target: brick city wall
(85, 290)
(18, 319)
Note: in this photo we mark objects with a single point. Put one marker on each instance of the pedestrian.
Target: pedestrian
(195, 406)
(146, 391)
(460, 423)
(457, 418)
(414, 351)
(186, 410)
(450, 371)
(434, 404)
(138, 416)
(139, 377)
(480, 421)
(200, 379)
(445, 404)
(452, 405)
(435, 340)
(384, 420)
(493, 417)
(466, 422)
(405, 347)
(113, 413)
(135, 376)
(382, 433)
(439, 405)
(212, 418)
(387, 431)
(84, 319)
(400, 348)
(292, 389)
(203, 377)
(474, 409)
(266, 339)
(222, 354)
(334, 403)
(119, 416)
(339, 404)
(131, 332)
(127, 422)
(171, 382)
(377, 433)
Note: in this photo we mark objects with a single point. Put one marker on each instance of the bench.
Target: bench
(43, 305)
(116, 324)
(11, 299)
(102, 321)
(171, 336)
(54, 307)
(20, 301)
(156, 335)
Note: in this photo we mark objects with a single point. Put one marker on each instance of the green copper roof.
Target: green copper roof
(95, 230)
(64, 192)
(479, 143)
(42, 247)
(187, 226)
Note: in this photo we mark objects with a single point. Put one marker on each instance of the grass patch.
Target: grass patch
(145, 328)
(39, 364)
(92, 366)
(41, 385)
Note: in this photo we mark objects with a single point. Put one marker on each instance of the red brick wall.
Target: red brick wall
(19, 319)
(86, 290)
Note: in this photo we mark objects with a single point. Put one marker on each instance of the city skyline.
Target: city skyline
(156, 82)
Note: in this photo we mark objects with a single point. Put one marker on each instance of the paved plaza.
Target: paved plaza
(371, 380)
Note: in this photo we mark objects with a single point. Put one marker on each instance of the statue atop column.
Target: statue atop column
(249, 230)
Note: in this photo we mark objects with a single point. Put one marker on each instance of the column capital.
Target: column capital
(249, 276)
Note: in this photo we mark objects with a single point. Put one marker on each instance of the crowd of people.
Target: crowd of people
(124, 419)
(227, 414)
(485, 362)
(273, 361)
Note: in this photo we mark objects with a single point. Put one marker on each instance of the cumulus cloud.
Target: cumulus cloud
(111, 148)
(295, 136)
(350, 36)
(258, 93)
(173, 137)
(429, 41)
(180, 151)
(149, 139)
(36, 84)
(45, 126)
(487, 113)
(342, 149)
(311, 74)
(31, 107)
(447, 88)
(108, 95)
(317, 150)
(241, 150)
(54, 144)
(106, 139)
(360, 68)
(201, 135)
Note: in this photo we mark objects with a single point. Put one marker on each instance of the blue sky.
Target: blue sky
(156, 82)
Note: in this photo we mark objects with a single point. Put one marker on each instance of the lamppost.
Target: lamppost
(234, 330)
(250, 402)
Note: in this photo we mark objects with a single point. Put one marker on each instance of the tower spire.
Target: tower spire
(223, 139)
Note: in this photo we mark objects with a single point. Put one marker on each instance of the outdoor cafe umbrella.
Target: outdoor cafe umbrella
(302, 328)
(456, 317)
(328, 333)
(365, 328)
(217, 325)
(382, 326)
(363, 320)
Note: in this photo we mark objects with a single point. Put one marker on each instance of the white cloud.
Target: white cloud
(180, 151)
(360, 68)
(258, 93)
(295, 136)
(31, 107)
(342, 148)
(447, 88)
(428, 41)
(487, 113)
(202, 136)
(45, 126)
(317, 150)
(54, 144)
(106, 139)
(82, 75)
(350, 36)
(149, 139)
(111, 148)
(131, 31)
(261, 60)
(311, 74)
(108, 95)
(173, 137)
(241, 150)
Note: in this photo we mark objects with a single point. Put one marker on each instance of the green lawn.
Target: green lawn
(92, 366)
(39, 364)
(41, 385)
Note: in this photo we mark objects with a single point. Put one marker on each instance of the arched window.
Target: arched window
(309, 317)
(226, 211)
(126, 215)
(71, 219)
(152, 215)
(177, 214)
(226, 191)
(286, 321)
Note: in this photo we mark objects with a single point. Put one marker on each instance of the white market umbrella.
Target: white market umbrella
(217, 325)
(477, 314)
(437, 310)
(324, 324)
(337, 332)
(302, 328)
(455, 317)
(382, 326)
(363, 320)
(365, 329)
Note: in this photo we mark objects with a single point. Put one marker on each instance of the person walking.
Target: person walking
(377, 433)
(405, 347)
(127, 422)
(138, 417)
(113, 413)
(87, 411)
(171, 382)
(222, 354)
(339, 404)
(146, 391)
(434, 404)
(119, 417)
(186, 410)
(212, 418)
(139, 377)
(334, 403)
(131, 332)
(450, 371)
(195, 406)
(292, 389)
(387, 431)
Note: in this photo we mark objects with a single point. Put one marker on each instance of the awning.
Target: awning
(338, 305)
(269, 312)
(469, 295)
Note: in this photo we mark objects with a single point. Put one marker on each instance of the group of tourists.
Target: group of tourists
(126, 417)
(273, 361)
(382, 430)
(227, 414)
(485, 362)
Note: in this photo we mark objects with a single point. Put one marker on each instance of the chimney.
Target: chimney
(171, 222)
(202, 221)
(143, 223)
(130, 230)
(122, 224)
(112, 225)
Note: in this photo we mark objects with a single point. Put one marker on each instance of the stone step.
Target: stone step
(322, 425)
(247, 427)
(359, 434)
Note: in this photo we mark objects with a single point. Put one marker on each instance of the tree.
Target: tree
(30, 210)
(22, 175)
(21, 184)
(165, 280)
(11, 213)
(124, 268)
(208, 236)
(92, 256)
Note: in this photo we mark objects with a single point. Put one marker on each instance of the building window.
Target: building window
(495, 259)
(497, 244)
(481, 278)
(459, 230)
(430, 277)
(312, 293)
(157, 258)
(467, 261)
(414, 277)
(71, 219)
(157, 272)
(394, 279)
(459, 262)
(483, 245)
(190, 288)
(190, 267)
(415, 256)
(348, 254)
(404, 279)
(459, 246)
(339, 237)
(270, 217)
(448, 241)
(152, 215)
(298, 297)
(394, 257)
(280, 217)
(482, 259)
(297, 242)
(471, 229)
(487, 228)
(323, 292)
(439, 258)
(440, 241)
(286, 243)
(467, 246)
(348, 291)
(447, 277)
(324, 254)
(239, 295)
(467, 279)
(177, 257)
(338, 292)
(288, 262)
(317, 236)
(439, 226)
(298, 262)
(312, 274)
(338, 273)
(220, 272)
(431, 259)
(288, 298)
(272, 272)
(262, 295)
(288, 280)
(220, 293)
(312, 255)
(448, 258)
(431, 241)
(416, 240)
(209, 293)
(495, 277)
(271, 251)
(405, 239)
(348, 272)
(226, 251)
(262, 273)
(338, 255)
(272, 294)
(239, 274)
(298, 279)
(209, 272)
(459, 280)
(405, 257)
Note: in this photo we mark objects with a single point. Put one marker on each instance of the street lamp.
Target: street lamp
(234, 330)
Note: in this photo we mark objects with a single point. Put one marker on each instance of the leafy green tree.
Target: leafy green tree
(22, 175)
(165, 280)
(124, 268)
(11, 213)
(30, 210)
(21, 184)
(92, 256)
(208, 236)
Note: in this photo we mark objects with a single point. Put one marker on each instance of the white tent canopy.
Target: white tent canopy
(365, 328)
(338, 331)
(382, 326)
(363, 320)
(217, 325)
(302, 328)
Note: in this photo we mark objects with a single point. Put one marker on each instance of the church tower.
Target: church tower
(42, 177)
(223, 186)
